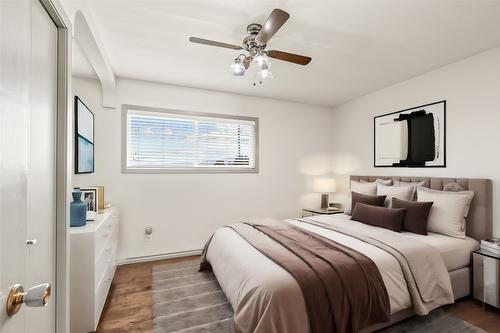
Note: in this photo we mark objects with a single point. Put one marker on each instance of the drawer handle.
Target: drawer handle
(105, 235)
(108, 280)
(108, 251)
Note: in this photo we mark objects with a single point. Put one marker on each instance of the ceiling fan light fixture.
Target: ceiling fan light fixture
(254, 50)
(238, 68)
(264, 73)
(262, 60)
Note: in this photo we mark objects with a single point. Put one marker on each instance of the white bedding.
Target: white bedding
(240, 279)
(456, 252)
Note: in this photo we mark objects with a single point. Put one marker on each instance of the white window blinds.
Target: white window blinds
(175, 141)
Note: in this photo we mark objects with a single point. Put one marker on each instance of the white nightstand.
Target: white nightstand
(486, 279)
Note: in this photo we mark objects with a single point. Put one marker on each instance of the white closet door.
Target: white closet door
(28, 66)
(42, 164)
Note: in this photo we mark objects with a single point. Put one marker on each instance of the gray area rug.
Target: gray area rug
(438, 321)
(188, 301)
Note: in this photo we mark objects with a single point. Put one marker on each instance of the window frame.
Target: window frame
(198, 170)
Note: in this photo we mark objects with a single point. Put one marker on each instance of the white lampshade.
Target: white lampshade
(324, 185)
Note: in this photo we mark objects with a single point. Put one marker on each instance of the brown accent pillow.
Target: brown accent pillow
(417, 215)
(388, 218)
(373, 200)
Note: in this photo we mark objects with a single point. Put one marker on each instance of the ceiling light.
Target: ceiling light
(264, 73)
(262, 60)
(238, 68)
(254, 46)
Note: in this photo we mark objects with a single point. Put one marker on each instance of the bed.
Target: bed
(267, 298)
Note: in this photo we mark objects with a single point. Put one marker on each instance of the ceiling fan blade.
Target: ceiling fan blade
(274, 22)
(214, 43)
(290, 57)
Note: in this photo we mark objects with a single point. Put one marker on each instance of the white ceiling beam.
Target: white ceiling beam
(87, 37)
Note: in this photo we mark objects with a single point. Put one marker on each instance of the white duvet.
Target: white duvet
(242, 272)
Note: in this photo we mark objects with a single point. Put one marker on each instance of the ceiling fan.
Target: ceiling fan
(255, 44)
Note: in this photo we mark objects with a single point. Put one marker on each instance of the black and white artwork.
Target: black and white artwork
(413, 137)
(91, 198)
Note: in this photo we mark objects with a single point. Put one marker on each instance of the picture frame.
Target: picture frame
(90, 195)
(100, 197)
(84, 138)
(411, 138)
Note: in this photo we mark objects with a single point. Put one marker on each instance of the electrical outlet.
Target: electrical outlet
(148, 233)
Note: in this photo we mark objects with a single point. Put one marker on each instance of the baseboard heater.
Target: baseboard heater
(170, 255)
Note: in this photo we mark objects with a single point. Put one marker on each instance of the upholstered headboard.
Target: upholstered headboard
(480, 218)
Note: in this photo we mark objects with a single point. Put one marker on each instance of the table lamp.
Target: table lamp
(324, 186)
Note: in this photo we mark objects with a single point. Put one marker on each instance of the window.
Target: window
(159, 140)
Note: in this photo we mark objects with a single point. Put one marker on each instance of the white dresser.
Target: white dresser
(92, 266)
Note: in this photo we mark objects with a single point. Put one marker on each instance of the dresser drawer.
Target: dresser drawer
(104, 234)
(102, 292)
(104, 260)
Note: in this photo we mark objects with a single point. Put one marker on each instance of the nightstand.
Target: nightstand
(306, 212)
(486, 277)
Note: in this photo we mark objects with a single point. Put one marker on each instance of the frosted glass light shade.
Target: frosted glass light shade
(264, 74)
(238, 68)
(262, 60)
(324, 185)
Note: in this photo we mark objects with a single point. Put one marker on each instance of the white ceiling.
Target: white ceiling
(356, 46)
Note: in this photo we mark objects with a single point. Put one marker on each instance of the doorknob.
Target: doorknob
(37, 296)
(31, 242)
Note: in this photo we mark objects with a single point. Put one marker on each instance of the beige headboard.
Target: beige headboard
(480, 219)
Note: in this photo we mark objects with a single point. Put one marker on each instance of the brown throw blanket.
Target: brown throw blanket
(342, 288)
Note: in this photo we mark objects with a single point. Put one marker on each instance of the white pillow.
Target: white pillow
(399, 192)
(379, 181)
(362, 188)
(448, 212)
(414, 184)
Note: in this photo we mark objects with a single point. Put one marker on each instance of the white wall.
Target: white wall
(472, 90)
(297, 142)
(184, 209)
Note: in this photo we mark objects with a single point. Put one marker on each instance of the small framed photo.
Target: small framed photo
(90, 195)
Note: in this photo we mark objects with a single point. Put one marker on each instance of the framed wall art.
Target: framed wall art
(411, 138)
(84, 138)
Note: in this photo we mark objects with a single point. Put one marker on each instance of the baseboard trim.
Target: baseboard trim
(180, 254)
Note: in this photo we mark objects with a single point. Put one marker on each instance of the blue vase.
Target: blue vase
(78, 209)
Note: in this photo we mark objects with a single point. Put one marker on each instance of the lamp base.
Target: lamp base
(324, 201)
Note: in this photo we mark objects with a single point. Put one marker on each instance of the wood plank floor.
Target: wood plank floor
(129, 304)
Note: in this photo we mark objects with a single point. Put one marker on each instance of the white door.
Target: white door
(28, 109)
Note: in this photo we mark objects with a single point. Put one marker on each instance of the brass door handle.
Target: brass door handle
(37, 296)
